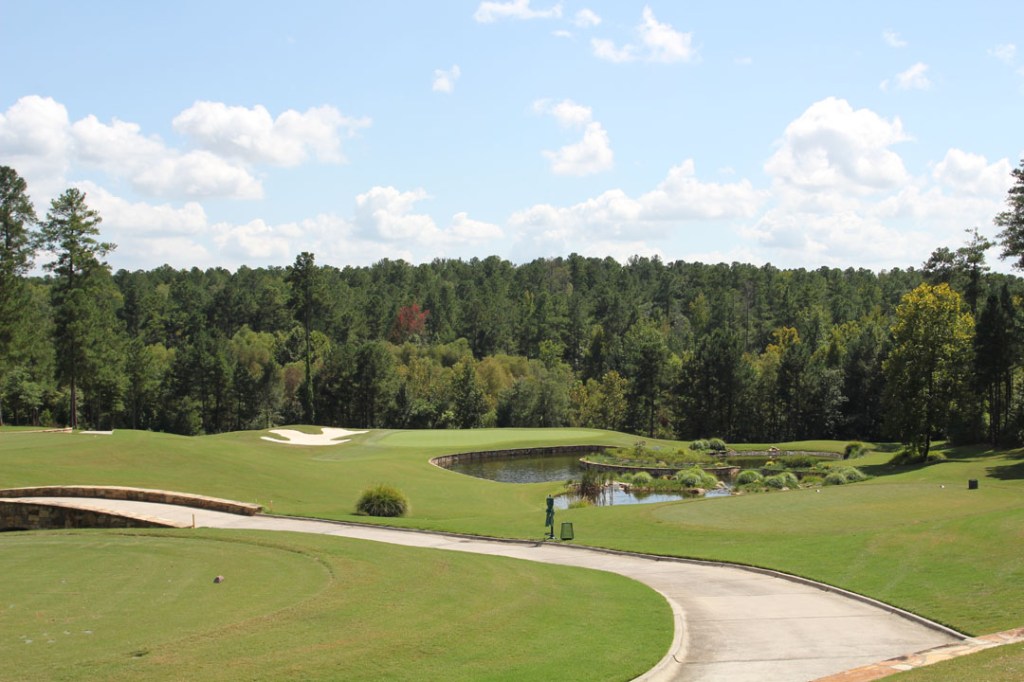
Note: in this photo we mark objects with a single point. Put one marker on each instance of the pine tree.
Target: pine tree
(70, 232)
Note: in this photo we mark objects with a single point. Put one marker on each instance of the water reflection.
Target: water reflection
(560, 468)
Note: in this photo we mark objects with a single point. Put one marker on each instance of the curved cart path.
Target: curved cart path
(731, 623)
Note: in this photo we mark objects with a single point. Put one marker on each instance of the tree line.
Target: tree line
(684, 350)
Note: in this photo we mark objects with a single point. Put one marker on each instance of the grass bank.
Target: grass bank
(914, 537)
(143, 605)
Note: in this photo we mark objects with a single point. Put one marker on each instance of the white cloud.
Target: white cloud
(614, 217)
(444, 81)
(1004, 53)
(567, 113)
(681, 196)
(833, 146)
(914, 78)
(608, 51)
(659, 42)
(592, 154)
(255, 240)
(586, 18)
(972, 174)
(743, 61)
(253, 136)
(35, 139)
(842, 196)
(466, 230)
(893, 39)
(664, 43)
(139, 218)
(489, 12)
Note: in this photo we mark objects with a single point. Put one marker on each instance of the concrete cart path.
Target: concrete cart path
(731, 623)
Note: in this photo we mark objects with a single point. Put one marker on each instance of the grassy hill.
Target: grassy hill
(914, 537)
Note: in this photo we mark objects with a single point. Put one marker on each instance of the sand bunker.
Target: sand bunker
(97, 433)
(329, 436)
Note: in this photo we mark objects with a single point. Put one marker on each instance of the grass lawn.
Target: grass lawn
(914, 537)
(1001, 664)
(129, 605)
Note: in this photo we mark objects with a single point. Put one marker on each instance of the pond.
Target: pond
(561, 468)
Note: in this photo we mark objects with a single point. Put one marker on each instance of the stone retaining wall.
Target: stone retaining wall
(24, 515)
(136, 495)
(446, 461)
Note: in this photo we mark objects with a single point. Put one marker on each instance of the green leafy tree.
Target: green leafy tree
(962, 269)
(646, 356)
(997, 352)
(307, 293)
(925, 372)
(70, 232)
(17, 218)
(468, 403)
(1012, 220)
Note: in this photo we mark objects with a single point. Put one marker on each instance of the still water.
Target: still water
(554, 468)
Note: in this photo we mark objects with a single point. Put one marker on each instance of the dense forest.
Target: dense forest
(677, 349)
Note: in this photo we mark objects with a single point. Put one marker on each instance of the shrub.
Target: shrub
(835, 478)
(700, 445)
(852, 474)
(717, 444)
(908, 455)
(749, 476)
(382, 500)
(810, 480)
(854, 450)
(783, 480)
(580, 503)
(642, 478)
(695, 477)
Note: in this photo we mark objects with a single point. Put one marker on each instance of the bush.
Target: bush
(696, 477)
(749, 476)
(717, 444)
(382, 500)
(642, 478)
(700, 445)
(835, 478)
(810, 480)
(908, 455)
(854, 450)
(852, 474)
(783, 480)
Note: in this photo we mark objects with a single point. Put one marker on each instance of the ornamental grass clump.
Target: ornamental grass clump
(749, 476)
(642, 479)
(382, 500)
(695, 477)
(784, 480)
(835, 478)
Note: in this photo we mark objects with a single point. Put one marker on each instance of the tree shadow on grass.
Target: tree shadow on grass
(1008, 472)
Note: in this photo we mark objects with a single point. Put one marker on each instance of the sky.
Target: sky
(802, 133)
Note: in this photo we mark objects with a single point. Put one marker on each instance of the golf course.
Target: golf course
(92, 604)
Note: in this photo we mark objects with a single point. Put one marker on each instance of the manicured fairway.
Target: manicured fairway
(913, 537)
(143, 605)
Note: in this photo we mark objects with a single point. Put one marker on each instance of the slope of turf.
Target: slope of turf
(143, 605)
(914, 537)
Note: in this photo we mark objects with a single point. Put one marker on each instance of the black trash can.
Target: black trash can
(972, 484)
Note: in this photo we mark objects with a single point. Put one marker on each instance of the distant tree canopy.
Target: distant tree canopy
(682, 350)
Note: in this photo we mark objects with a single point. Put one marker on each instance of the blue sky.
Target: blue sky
(797, 133)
